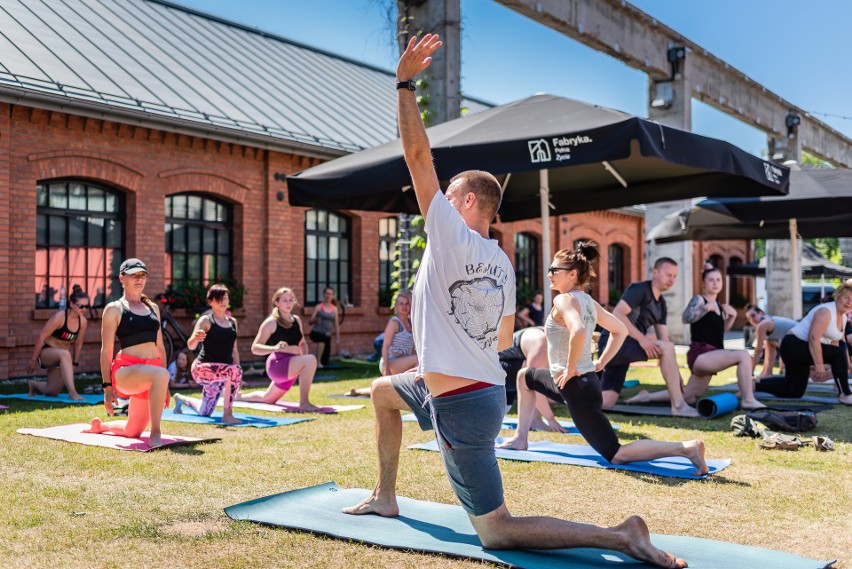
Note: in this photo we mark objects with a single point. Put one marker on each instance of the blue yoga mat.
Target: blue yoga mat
(809, 398)
(631, 383)
(88, 398)
(511, 423)
(717, 405)
(583, 455)
(445, 529)
(188, 416)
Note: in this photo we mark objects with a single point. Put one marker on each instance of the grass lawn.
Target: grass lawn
(70, 505)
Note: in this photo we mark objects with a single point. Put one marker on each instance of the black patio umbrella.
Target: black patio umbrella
(819, 202)
(551, 152)
(813, 265)
(595, 158)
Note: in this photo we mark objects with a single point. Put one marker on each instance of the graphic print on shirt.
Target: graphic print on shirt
(477, 305)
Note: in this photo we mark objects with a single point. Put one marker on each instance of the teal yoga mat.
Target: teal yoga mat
(189, 416)
(584, 455)
(441, 528)
(88, 398)
(511, 423)
(717, 405)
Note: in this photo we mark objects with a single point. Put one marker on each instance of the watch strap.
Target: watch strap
(406, 85)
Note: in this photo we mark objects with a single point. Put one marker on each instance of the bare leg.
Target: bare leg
(403, 363)
(526, 410)
(227, 407)
(718, 360)
(610, 398)
(272, 394)
(500, 530)
(58, 376)
(305, 367)
(191, 402)
(387, 404)
(674, 382)
(643, 450)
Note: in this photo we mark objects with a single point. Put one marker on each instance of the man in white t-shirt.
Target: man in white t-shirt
(464, 306)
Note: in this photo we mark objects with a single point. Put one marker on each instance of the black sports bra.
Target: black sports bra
(135, 329)
(64, 334)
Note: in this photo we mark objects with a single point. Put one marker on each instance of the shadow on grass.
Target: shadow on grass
(669, 481)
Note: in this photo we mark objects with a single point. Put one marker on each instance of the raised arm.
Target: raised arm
(415, 143)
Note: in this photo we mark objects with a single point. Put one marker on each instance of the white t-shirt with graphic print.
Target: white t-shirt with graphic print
(464, 287)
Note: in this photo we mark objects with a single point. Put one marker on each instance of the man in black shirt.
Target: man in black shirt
(642, 306)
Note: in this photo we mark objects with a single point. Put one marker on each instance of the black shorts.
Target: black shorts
(613, 375)
(582, 395)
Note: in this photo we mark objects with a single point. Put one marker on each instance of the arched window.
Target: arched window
(388, 229)
(527, 277)
(616, 273)
(79, 241)
(199, 232)
(327, 255)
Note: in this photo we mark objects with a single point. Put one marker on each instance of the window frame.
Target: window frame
(49, 212)
(342, 284)
(203, 225)
(531, 250)
(386, 266)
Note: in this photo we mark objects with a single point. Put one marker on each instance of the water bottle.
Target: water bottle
(62, 300)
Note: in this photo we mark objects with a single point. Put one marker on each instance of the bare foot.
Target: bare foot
(309, 407)
(695, 454)
(178, 404)
(845, 399)
(642, 397)
(31, 389)
(538, 424)
(75, 397)
(374, 504)
(515, 443)
(95, 427)
(231, 420)
(352, 392)
(155, 440)
(685, 411)
(638, 544)
(751, 404)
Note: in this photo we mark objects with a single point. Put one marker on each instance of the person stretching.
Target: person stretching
(572, 377)
(769, 331)
(464, 312)
(708, 321)
(641, 307)
(137, 372)
(217, 367)
(280, 337)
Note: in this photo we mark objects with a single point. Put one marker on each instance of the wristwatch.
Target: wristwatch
(406, 85)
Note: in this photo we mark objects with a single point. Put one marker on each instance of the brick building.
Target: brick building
(145, 125)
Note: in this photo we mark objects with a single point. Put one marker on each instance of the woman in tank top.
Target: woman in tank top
(138, 370)
(280, 337)
(324, 323)
(572, 378)
(58, 348)
(708, 321)
(815, 341)
(217, 367)
(398, 345)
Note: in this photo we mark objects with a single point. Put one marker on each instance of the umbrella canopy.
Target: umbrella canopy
(813, 265)
(597, 158)
(820, 200)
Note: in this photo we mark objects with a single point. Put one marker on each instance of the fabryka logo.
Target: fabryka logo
(773, 173)
(539, 151)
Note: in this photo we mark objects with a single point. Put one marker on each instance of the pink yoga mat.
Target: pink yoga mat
(287, 407)
(3, 407)
(74, 434)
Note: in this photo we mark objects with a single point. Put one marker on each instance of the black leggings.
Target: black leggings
(320, 338)
(798, 361)
(582, 395)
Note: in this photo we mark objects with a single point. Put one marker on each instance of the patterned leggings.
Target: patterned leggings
(213, 378)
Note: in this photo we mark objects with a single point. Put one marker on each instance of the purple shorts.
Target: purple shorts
(278, 370)
(695, 350)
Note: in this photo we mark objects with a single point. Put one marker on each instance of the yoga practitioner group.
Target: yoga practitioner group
(460, 338)
(137, 372)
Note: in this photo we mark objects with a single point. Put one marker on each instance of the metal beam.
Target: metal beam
(635, 38)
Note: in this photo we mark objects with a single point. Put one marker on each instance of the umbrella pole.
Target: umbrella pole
(795, 270)
(544, 195)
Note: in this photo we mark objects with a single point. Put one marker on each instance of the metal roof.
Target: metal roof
(155, 62)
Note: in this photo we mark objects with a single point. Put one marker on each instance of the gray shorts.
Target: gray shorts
(465, 427)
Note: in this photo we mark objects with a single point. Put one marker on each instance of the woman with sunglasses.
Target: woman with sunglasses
(137, 372)
(572, 378)
(58, 348)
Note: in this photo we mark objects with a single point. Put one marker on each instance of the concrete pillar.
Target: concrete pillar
(440, 90)
(670, 103)
(846, 251)
(783, 289)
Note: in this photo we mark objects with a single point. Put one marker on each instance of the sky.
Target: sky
(799, 50)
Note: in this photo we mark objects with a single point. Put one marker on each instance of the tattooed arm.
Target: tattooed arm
(696, 309)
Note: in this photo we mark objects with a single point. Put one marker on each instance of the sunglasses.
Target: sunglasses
(553, 270)
(83, 306)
